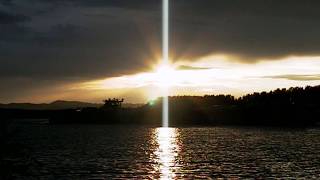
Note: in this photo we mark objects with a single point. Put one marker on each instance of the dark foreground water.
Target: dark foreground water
(41, 151)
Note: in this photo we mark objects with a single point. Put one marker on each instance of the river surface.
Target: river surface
(42, 151)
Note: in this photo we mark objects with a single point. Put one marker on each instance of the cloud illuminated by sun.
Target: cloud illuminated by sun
(223, 76)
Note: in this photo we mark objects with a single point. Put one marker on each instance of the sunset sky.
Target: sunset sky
(88, 50)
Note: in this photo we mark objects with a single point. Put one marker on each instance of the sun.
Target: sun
(165, 75)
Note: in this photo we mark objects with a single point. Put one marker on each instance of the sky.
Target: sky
(89, 50)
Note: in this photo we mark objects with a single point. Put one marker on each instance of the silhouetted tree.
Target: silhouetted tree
(112, 103)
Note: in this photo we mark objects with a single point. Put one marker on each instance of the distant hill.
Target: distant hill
(131, 105)
(57, 105)
(50, 106)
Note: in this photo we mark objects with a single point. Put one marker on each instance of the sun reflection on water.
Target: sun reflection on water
(166, 154)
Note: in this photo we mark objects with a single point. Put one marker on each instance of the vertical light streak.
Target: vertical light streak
(165, 109)
(165, 31)
(165, 59)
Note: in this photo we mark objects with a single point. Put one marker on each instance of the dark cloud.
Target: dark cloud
(72, 41)
(7, 18)
(108, 38)
(297, 77)
(251, 29)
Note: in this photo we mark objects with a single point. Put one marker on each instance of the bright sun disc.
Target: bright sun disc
(165, 75)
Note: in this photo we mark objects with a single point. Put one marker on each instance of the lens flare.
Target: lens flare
(165, 59)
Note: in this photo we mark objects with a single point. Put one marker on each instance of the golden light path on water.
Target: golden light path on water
(166, 154)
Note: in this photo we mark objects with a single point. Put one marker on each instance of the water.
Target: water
(46, 151)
